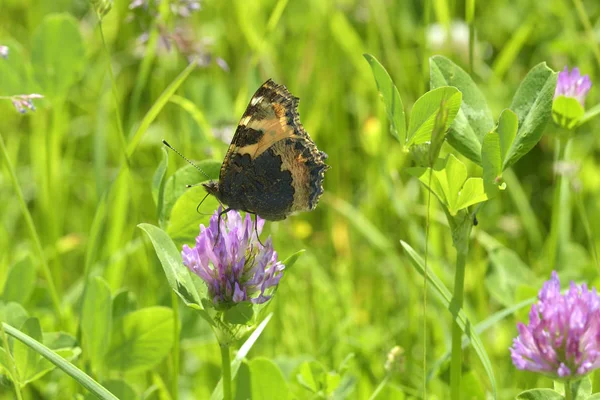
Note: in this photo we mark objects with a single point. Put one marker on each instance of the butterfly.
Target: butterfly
(272, 167)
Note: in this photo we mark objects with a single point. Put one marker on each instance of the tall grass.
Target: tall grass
(76, 180)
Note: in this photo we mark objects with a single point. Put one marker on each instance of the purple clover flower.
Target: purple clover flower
(572, 84)
(237, 267)
(563, 336)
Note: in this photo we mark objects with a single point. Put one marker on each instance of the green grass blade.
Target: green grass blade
(589, 114)
(32, 231)
(479, 329)
(461, 318)
(157, 107)
(81, 377)
(526, 212)
(506, 58)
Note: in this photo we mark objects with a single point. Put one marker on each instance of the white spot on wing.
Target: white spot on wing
(245, 120)
(256, 100)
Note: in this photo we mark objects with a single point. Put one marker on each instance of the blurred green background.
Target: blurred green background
(354, 290)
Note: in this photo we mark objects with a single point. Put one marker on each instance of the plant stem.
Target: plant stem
(425, 289)
(559, 209)
(33, 232)
(13, 373)
(424, 43)
(469, 16)
(226, 371)
(457, 303)
(568, 392)
(175, 372)
(115, 93)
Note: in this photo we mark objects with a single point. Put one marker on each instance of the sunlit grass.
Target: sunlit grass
(71, 200)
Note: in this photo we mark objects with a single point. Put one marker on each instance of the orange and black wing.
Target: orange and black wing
(272, 166)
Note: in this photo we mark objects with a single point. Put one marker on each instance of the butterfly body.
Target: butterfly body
(272, 167)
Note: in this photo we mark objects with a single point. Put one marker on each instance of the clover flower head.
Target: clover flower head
(562, 339)
(231, 261)
(572, 84)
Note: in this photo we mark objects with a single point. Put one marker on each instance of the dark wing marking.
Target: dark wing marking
(271, 116)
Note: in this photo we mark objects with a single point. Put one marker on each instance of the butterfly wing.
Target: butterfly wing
(272, 166)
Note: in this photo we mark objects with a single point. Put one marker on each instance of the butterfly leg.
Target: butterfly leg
(199, 204)
(225, 211)
(256, 228)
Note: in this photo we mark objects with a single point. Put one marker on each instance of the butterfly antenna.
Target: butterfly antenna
(185, 158)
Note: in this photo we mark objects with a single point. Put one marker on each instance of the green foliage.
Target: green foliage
(580, 390)
(178, 276)
(448, 181)
(267, 381)
(459, 315)
(391, 99)
(540, 394)
(314, 378)
(57, 359)
(427, 107)
(81, 172)
(26, 364)
(158, 185)
(141, 339)
(533, 105)
(507, 274)
(118, 388)
(239, 314)
(239, 357)
(58, 54)
(20, 281)
(567, 111)
(175, 188)
(493, 152)
(96, 321)
(25, 358)
(474, 119)
(424, 114)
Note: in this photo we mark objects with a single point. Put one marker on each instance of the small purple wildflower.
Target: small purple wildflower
(24, 102)
(572, 84)
(4, 51)
(185, 8)
(181, 8)
(563, 336)
(237, 267)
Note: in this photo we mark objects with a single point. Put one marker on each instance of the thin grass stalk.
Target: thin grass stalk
(457, 300)
(13, 372)
(33, 232)
(380, 387)
(175, 370)
(589, 29)
(146, 65)
(427, 223)
(115, 93)
(470, 16)
(587, 227)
